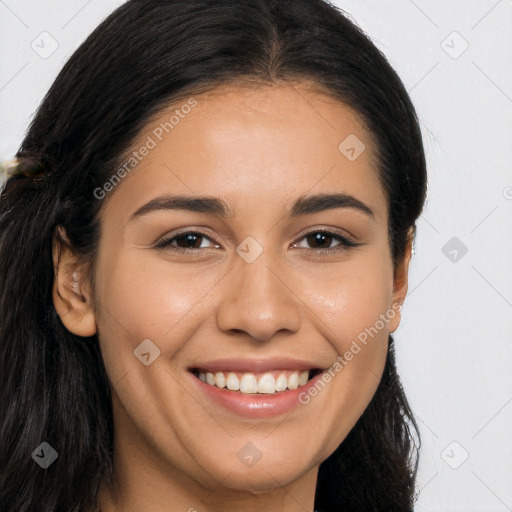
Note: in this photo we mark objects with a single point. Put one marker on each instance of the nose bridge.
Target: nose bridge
(255, 299)
(259, 284)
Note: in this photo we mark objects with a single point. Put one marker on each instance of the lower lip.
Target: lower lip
(255, 405)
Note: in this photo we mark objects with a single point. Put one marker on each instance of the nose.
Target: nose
(258, 300)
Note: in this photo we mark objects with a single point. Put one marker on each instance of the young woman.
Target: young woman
(205, 242)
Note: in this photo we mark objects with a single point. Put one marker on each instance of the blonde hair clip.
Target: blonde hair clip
(9, 167)
(26, 166)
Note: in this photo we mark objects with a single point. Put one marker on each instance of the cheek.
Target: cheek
(139, 298)
(352, 310)
(352, 300)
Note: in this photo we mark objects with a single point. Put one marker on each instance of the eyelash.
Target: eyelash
(345, 243)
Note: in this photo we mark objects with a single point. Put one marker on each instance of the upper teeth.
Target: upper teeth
(248, 383)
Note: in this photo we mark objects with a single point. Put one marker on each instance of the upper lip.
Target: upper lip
(256, 365)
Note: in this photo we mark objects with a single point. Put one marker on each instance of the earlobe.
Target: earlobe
(71, 296)
(400, 282)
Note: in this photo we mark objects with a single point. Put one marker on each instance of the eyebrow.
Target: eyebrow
(304, 205)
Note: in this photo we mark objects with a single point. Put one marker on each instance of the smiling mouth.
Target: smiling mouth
(270, 382)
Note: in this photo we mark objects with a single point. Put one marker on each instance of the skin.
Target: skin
(258, 149)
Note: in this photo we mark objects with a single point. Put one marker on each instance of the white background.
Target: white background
(455, 341)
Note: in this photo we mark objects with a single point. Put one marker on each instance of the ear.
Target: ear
(71, 294)
(401, 281)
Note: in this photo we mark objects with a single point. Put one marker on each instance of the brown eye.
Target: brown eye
(187, 241)
(322, 241)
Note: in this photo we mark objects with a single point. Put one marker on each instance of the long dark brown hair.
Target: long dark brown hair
(143, 57)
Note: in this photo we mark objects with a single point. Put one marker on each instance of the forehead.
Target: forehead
(245, 143)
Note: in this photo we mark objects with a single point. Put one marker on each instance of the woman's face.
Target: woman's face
(255, 288)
